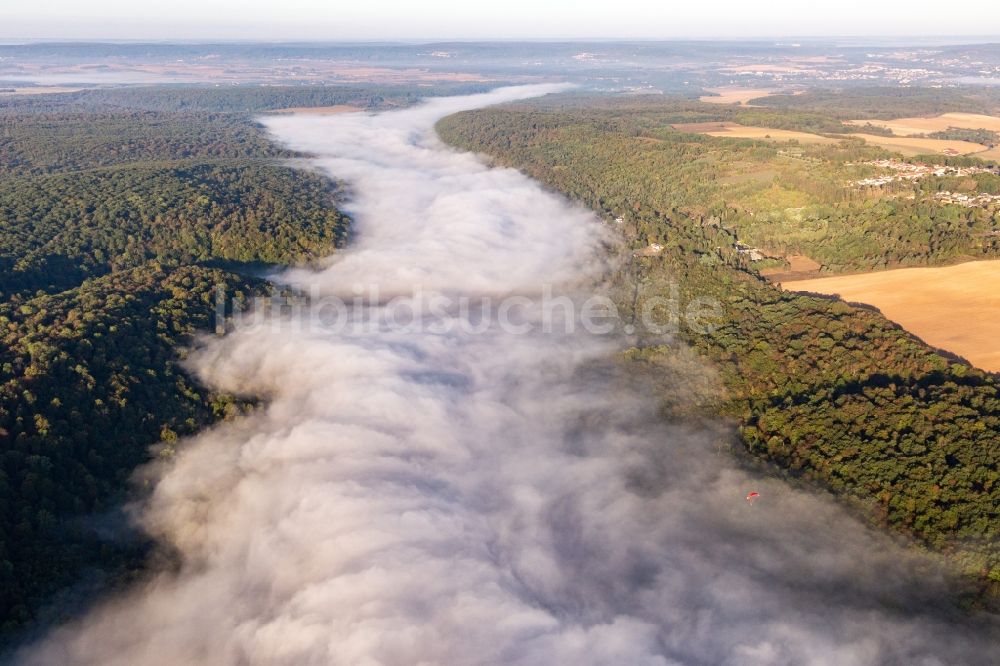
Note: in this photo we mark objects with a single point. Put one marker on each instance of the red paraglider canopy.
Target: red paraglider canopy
(752, 495)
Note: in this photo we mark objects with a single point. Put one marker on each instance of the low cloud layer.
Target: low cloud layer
(454, 499)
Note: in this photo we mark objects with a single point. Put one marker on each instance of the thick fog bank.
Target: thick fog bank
(440, 495)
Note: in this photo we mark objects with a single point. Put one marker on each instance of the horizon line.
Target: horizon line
(27, 41)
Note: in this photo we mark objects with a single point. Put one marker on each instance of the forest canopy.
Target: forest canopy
(121, 214)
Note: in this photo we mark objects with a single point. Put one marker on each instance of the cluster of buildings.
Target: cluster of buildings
(904, 171)
(968, 200)
(878, 72)
(926, 67)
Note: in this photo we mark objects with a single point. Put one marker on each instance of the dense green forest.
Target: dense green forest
(886, 103)
(58, 230)
(89, 380)
(833, 394)
(69, 141)
(241, 99)
(121, 212)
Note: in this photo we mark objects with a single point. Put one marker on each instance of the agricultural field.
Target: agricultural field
(798, 265)
(908, 143)
(991, 154)
(736, 131)
(910, 146)
(741, 96)
(953, 307)
(916, 126)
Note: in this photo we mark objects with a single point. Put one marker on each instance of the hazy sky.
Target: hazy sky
(433, 19)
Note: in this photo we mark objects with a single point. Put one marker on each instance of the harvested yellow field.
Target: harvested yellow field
(701, 128)
(744, 132)
(734, 95)
(907, 145)
(799, 267)
(910, 146)
(737, 131)
(911, 126)
(956, 308)
(800, 263)
(991, 154)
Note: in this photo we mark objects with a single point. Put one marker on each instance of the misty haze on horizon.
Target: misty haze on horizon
(687, 68)
(442, 20)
